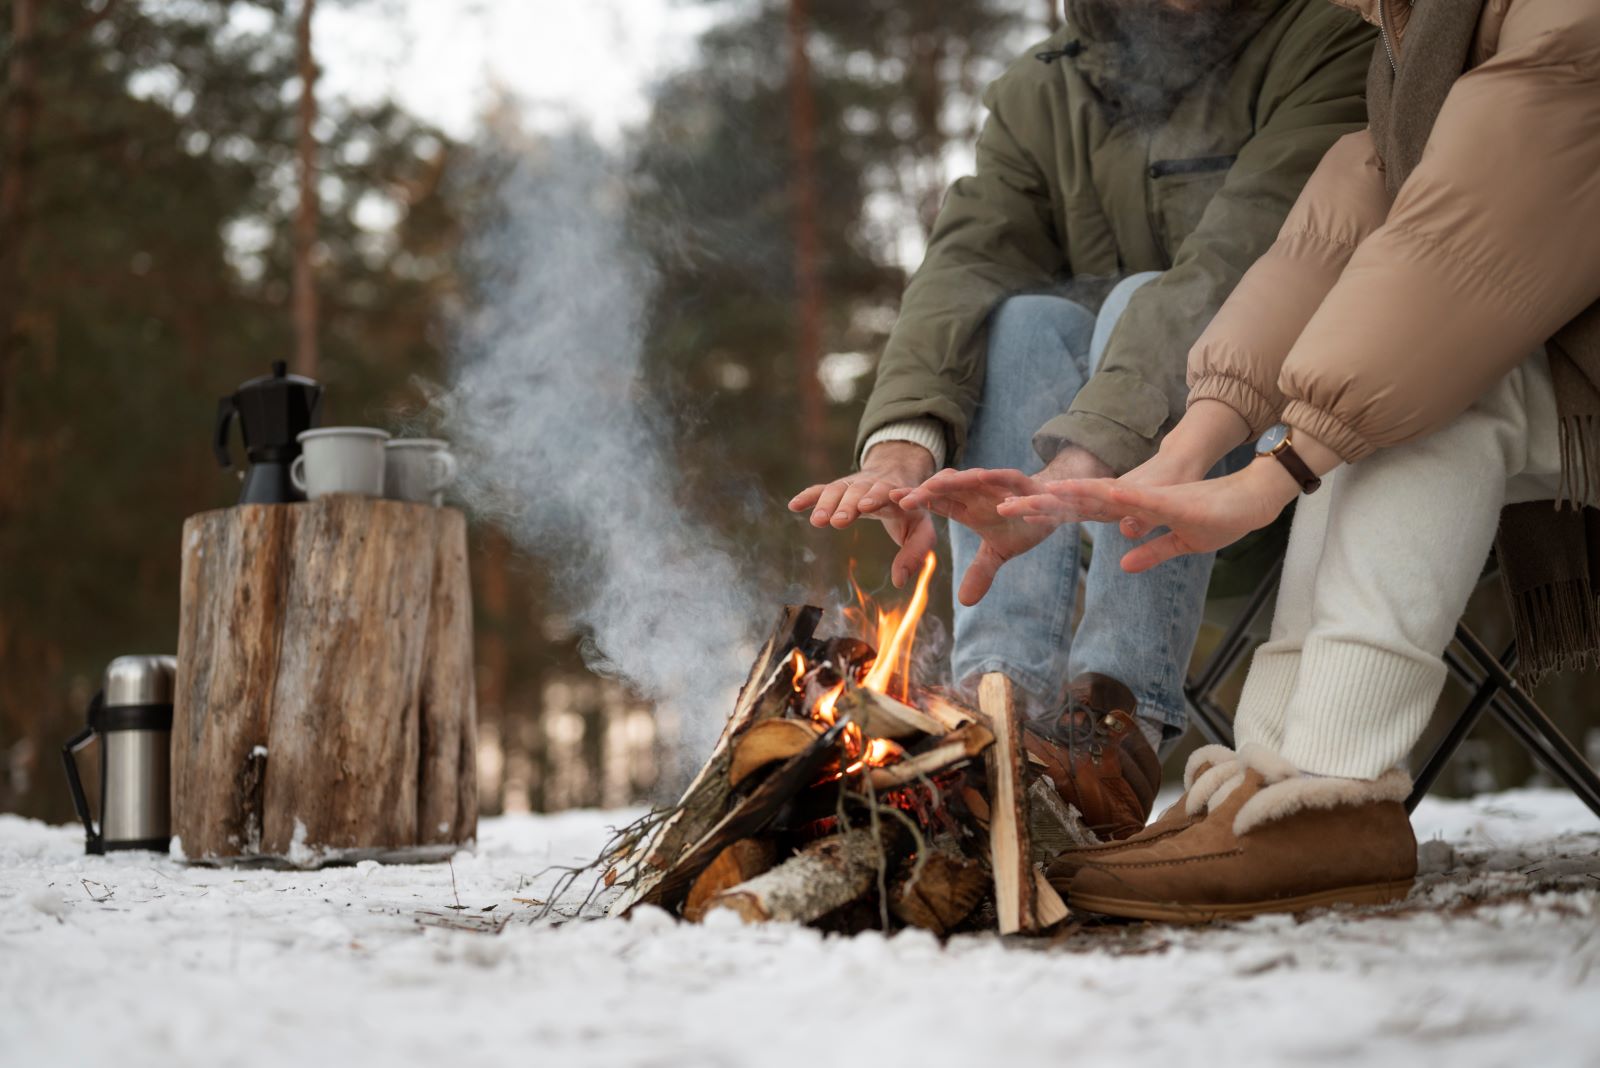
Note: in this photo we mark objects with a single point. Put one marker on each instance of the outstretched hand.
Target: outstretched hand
(1200, 517)
(973, 499)
(891, 466)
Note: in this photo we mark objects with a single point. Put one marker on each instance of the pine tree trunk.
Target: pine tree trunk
(305, 219)
(21, 108)
(325, 707)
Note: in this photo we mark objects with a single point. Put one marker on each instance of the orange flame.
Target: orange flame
(896, 632)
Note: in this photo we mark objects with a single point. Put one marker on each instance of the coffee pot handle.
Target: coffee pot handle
(226, 410)
(69, 757)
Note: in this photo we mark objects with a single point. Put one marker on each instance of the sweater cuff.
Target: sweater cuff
(1254, 407)
(929, 433)
(1332, 432)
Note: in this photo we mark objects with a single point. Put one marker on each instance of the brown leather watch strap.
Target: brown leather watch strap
(1297, 468)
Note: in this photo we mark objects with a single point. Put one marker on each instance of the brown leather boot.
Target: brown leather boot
(1097, 756)
(1207, 769)
(1274, 840)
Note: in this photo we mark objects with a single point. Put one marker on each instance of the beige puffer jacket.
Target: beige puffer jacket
(1374, 320)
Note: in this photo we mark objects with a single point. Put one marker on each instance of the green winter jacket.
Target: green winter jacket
(1062, 199)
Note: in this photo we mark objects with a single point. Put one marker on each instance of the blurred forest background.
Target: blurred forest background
(177, 211)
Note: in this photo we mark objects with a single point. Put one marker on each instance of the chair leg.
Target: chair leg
(1465, 722)
(1536, 731)
(1208, 715)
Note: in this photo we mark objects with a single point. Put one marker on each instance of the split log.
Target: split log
(325, 701)
(765, 694)
(770, 742)
(881, 716)
(826, 875)
(949, 713)
(1023, 901)
(744, 859)
(940, 892)
(748, 817)
(957, 747)
(1053, 825)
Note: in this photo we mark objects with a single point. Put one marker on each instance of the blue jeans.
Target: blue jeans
(1139, 629)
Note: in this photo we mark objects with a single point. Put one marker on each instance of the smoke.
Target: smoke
(567, 447)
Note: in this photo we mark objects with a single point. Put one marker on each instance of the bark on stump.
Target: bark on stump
(325, 707)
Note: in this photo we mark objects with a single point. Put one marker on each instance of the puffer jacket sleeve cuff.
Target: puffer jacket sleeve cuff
(1329, 430)
(1253, 406)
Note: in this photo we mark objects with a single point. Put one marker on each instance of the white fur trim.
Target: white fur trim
(1204, 758)
(1217, 778)
(1301, 792)
(1273, 768)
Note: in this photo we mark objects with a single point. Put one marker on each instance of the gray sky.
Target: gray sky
(589, 59)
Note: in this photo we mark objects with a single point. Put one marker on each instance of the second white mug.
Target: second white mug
(418, 469)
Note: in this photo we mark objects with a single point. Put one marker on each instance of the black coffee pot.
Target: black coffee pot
(272, 411)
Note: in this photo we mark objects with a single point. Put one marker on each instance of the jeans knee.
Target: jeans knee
(1033, 337)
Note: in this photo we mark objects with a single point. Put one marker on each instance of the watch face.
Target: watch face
(1274, 437)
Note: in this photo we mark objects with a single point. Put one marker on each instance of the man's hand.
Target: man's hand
(973, 498)
(889, 467)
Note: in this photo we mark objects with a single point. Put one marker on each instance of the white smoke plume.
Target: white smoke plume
(565, 445)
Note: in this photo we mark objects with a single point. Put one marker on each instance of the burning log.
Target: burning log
(1019, 902)
(957, 747)
(826, 875)
(743, 860)
(747, 817)
(881, 716)
(764, 695)
(769, 742)
(938, 890)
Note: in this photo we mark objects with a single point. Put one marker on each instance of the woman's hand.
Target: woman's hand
(1200, 517)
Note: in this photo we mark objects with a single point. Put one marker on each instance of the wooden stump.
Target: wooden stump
(325, 706)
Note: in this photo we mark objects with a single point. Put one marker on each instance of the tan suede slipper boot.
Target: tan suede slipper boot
(1273, 840)
(1207, 769)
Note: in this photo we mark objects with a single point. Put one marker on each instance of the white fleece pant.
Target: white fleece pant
(1380, 564)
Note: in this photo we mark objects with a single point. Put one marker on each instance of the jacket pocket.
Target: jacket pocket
(1180, 192)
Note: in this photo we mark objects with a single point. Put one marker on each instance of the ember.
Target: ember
(843, 794)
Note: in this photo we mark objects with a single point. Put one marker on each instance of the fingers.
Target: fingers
(832, 494)
(876, 496)
(1038, 506)
(980, 575)
(806, 497)
(1133, 527)
(950, 482)
(1153, 552)
(914, 548)
(846, 511)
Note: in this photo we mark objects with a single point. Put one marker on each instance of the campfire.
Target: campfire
(844, 794)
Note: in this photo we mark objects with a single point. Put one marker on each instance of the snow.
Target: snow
(137, 959)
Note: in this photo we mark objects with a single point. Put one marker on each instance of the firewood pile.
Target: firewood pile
(841, 795)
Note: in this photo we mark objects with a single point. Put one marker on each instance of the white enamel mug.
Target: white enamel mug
(340, 459)
(418, 469)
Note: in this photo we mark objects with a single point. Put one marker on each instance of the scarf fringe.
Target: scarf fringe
(1557, 629)
(1580, 461)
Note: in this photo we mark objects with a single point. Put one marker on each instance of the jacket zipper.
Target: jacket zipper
(1383, 34)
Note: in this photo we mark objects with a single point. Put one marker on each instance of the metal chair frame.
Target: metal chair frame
(1485, 675)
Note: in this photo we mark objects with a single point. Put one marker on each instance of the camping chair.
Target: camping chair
(1486, 676)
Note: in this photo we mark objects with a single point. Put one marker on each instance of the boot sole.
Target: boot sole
(1174, 912)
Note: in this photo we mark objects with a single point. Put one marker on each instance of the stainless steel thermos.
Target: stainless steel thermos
(132, 716)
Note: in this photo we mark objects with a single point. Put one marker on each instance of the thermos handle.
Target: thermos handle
(69, 758)
(226, 410)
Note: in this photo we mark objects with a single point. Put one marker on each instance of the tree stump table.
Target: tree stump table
(325, 707)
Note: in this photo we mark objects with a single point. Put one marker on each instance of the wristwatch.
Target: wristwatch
(1276, 444)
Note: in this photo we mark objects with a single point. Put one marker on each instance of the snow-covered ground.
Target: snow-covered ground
(139, 960)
